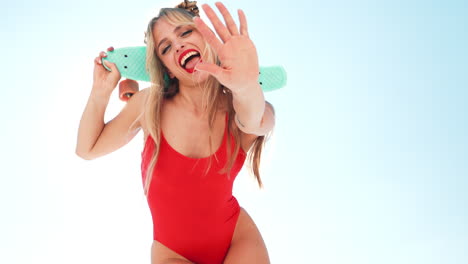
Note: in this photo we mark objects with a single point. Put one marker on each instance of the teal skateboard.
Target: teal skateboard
(131, 63)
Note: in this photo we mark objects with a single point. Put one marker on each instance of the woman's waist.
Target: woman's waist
(175, 222)
(178, 204)
(166, 212)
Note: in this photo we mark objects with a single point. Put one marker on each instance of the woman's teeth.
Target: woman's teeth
(188, 55)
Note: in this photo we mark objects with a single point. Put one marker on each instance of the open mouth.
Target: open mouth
(188, 59)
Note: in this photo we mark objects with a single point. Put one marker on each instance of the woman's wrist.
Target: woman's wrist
(247, 90)
(100, 95)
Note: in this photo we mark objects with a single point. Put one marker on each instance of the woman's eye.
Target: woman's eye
(166, 49)
(187, 32)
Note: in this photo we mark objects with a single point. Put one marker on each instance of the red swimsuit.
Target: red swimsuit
(193, 214)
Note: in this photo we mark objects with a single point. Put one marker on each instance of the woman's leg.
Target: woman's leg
(161, 254)
(247, 244)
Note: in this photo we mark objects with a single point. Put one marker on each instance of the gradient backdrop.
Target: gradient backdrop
(368, 162)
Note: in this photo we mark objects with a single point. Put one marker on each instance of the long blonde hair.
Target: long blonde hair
(213, 97)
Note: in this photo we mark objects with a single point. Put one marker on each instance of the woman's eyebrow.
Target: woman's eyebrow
(165, 39)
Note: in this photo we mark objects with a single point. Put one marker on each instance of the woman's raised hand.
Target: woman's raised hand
(105, 81)
(239, 67)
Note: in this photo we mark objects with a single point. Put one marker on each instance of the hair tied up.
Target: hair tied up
(190, 6)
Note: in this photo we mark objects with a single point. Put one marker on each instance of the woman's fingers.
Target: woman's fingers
(208, 34)
(231, 25)
(211, 68)
(243, 23)
(97, 60)
(102, 54)
(111, 66)
(222, 31)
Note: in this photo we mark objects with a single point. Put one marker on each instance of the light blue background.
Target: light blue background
(367, 164)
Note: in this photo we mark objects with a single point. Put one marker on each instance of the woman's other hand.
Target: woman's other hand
(239, 67)
(104, 81)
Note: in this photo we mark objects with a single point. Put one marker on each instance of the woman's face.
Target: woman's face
(180, 49)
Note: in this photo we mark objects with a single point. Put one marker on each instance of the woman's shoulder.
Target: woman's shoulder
(143, 94)
(141, 100)
(138, 100)
(136, 104)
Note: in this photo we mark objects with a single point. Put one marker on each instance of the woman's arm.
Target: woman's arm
(254, 115)
(95, 138)
(238, 70)
(91, 124)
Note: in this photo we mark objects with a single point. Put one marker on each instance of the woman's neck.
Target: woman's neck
(190, 98)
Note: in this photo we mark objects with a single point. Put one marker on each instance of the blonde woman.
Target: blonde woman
(202, 117)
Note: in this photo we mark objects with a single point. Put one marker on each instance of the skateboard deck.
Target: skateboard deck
(131, 62)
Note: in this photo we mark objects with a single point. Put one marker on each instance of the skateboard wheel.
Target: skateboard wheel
(127, 88)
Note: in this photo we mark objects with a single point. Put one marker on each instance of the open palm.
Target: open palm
(239, 67)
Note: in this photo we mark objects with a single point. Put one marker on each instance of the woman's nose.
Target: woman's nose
(179, 48)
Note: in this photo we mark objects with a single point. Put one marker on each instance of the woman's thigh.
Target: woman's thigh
(247, 244)
(161, 254)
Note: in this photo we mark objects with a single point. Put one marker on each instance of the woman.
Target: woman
(201, 116)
